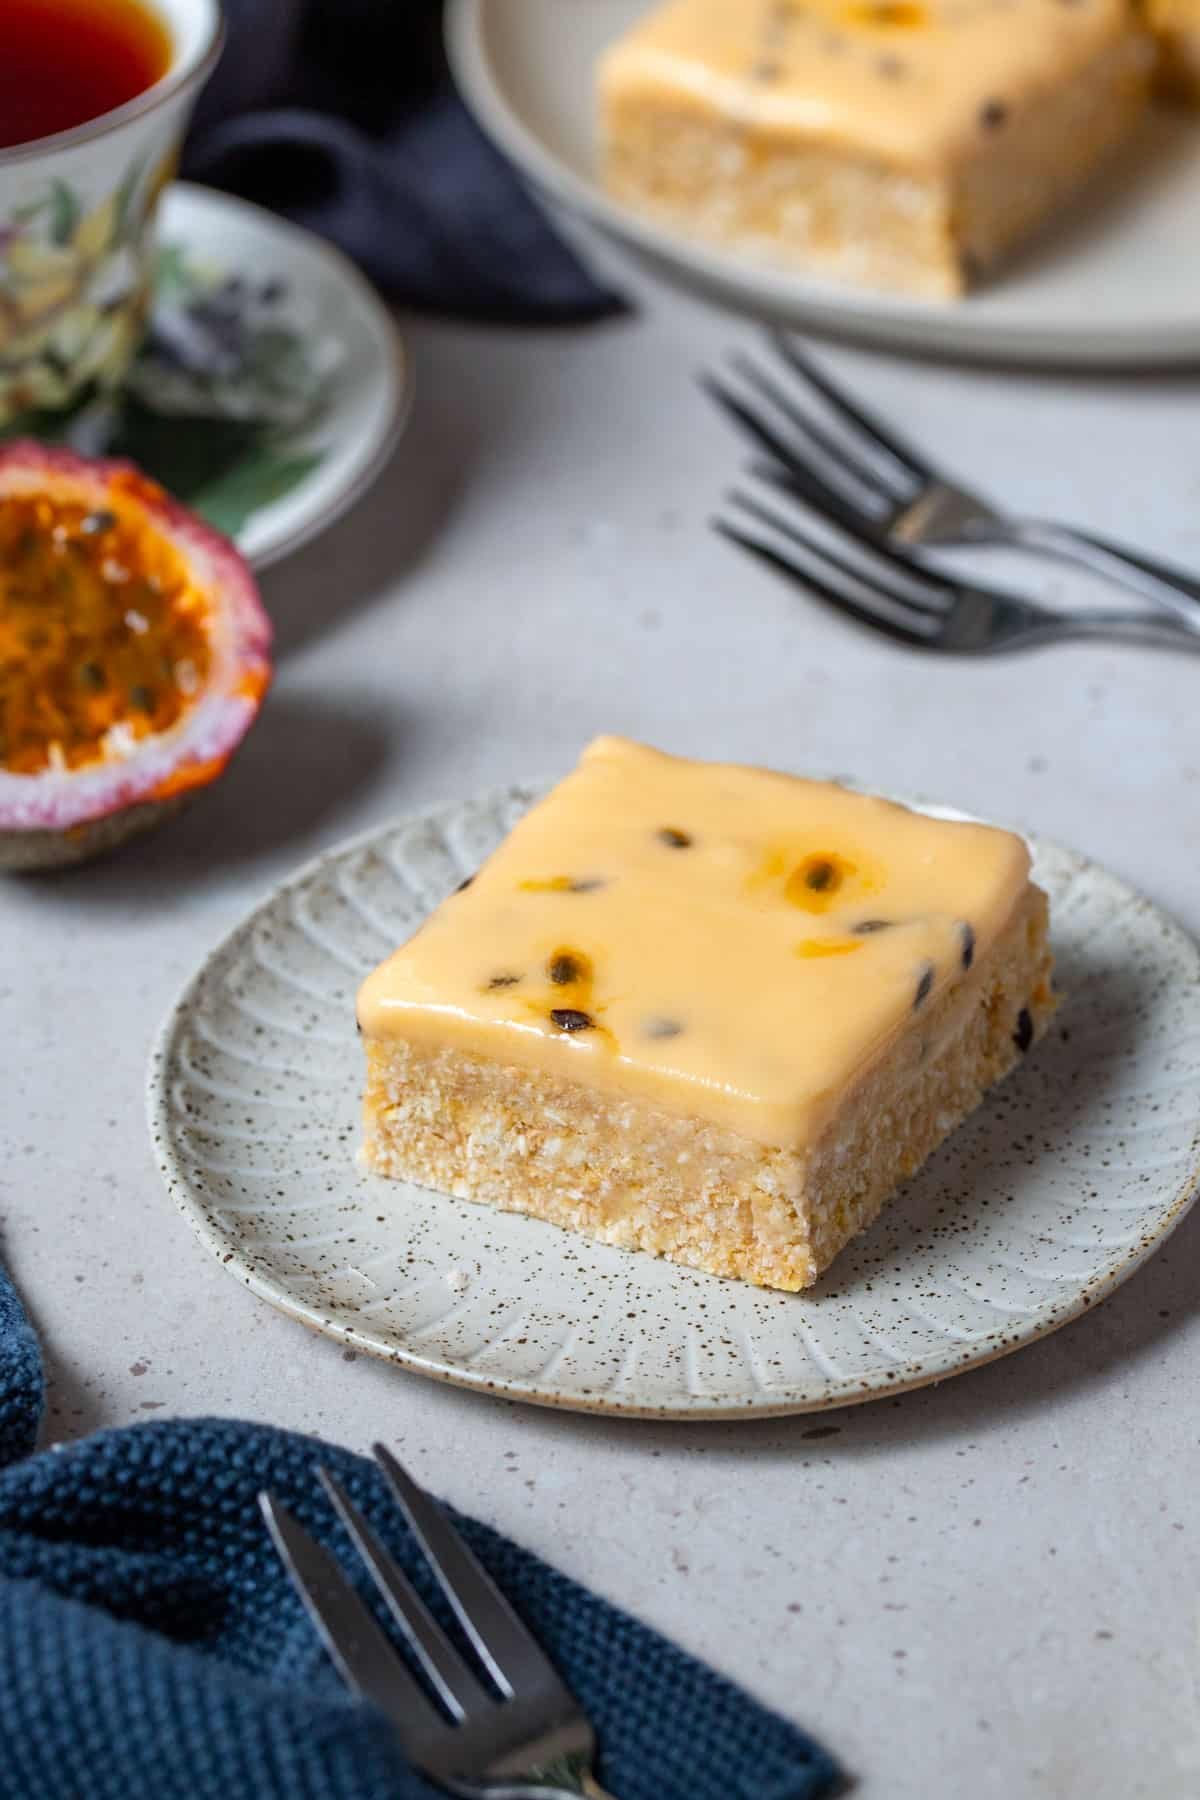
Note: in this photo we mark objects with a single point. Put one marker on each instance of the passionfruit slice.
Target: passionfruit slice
(134, 654)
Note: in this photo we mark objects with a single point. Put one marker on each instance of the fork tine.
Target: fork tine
(445, 1668)
(509, 1651)
(841, 603)
(361, 1653)
(902, 453)
(827, 498)
(928, 580)
(762, 434)
(838, 454)
(873, 580)
(802, 479)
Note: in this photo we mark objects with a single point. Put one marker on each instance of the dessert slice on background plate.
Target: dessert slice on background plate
(903, 144)
(712, 1012)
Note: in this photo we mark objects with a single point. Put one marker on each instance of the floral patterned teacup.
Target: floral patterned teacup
(77, 215)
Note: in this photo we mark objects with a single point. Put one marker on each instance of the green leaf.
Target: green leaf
(171, 273)
(185, 454)
(256, 481)
(49, 425)
(64, 213)
(125, 193)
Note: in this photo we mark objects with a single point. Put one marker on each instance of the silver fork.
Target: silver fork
(520, 1735)
(867, 475)
(910, 603)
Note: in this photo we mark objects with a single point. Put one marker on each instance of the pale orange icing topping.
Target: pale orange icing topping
(733, 944)
(918, 82)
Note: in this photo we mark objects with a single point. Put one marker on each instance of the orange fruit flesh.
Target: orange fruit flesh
(104, 636)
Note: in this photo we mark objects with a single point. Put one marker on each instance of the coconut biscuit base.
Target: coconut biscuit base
(710, 1012)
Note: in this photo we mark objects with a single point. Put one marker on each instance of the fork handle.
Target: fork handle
(1158, 582)
(1145, 628)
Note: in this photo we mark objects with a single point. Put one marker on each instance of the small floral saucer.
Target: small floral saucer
(272, 383)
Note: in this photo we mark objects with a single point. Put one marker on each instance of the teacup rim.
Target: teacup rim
(195, 69)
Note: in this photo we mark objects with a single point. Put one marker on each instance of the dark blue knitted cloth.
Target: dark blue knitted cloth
(340, 114)
(151, 1649)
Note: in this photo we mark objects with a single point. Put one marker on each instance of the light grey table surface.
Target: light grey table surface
(976, 1592)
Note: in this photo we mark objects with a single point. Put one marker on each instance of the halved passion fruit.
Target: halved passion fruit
(134, 655)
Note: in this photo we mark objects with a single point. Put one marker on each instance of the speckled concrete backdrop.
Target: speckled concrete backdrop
(991, 1588)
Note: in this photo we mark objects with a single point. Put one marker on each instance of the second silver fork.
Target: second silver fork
(514, 1731)
(913, 604)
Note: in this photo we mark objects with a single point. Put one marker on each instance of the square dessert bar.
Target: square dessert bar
(712, 1012)
(904, 144)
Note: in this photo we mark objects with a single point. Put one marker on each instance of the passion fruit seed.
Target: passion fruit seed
(673, 838)
(567, 1018)
(464, 885)
(993, 115)
(563, 969)
(924, 987)
(812, 884)
(95, 522)
(865, 927)
(503, 981)
(662, 1028)
(1023, 1035)
(587, 884)
(967, 933)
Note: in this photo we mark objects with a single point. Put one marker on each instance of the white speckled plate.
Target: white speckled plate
(1113, 281)
(1070, 1174)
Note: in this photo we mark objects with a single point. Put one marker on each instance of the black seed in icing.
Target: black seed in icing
(563, 969)
(924, 986)
(820, 876)
(662, 1028)
(567, 1018)
(503, 981)
(587, 884)
(464, 884)
(865, 927)
(993, 115)
(967, 933)
(674, 839)
(1023, 1035)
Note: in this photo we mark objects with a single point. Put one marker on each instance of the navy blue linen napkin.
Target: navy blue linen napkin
(340, 114)
(151, 1648)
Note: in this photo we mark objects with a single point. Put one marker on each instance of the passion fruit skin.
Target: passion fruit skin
(62, 816)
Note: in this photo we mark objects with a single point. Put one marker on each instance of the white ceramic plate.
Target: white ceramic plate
(1051, 1196)
(1116, 281)
(370, 391)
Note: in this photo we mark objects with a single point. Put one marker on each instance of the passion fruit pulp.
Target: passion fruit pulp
(134, 654)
